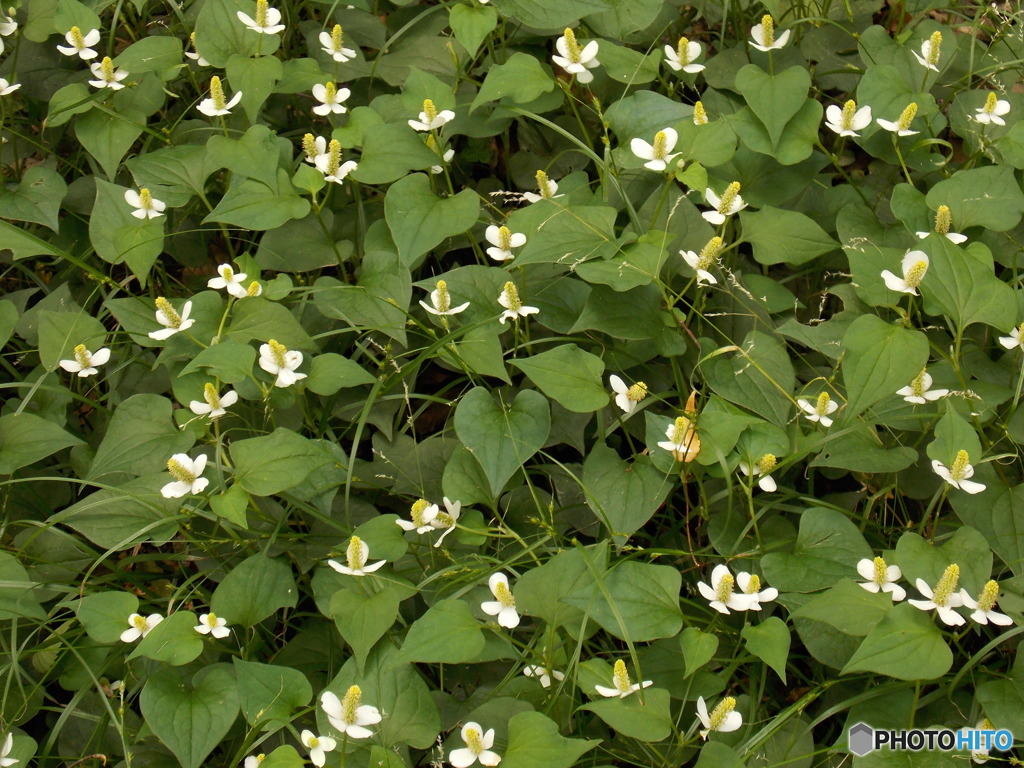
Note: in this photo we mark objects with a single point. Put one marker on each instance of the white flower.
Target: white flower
(146, 206)
(943, 223)
(267, 21)
(919, 390)
(187, 476)
(847, 120)
(442, 301)
(980, 755)
(356, 555)
(702, 262)
(513, 305)
(8, 26)
(216, 405)
(281, 362)
(881, 578)
(901, 127)
(543, 674)
(505, 605)
(171, 321)
(140, 626)
(330, 165)
(347, 715)
(762, 469)
(216, 105)
(944, 598)
(750, 584)
(958, 473)
(253, 761)
(79, 44)
(212, 624)
(106, 76)
(430, 118)
(546, 189)
(318, 746)
(659, 154)
(723, 718)
(7, 747)
(313, 147)
(822, 409)
(1015, 339)
(682, 440)
(627, 398)
(198, 59)
(621, 686)
(681, 57)
(421, 514)
(6, 88)
(993, 110)
(763, 35)
(575, 60)
(446, 157)
(729, 203)
(85, 362)
(333, 45)
(914, 266)
(228, 279)
(930, 52)
(332, 99)
(447, 519)
(983, 608)
(503, 240)
(721, 595)
(478, 747)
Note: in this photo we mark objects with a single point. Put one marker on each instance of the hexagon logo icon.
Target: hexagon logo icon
(861, 739)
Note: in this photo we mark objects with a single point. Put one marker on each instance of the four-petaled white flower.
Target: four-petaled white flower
(146, 206)
(266, 22)
(187, 474)
(279, 361)
(919, 390)
(979, 755)
(313, 147)
(993, 110)
(659, 154)
(348, 715)
(546, 189)
(543, 674)
(330, 165)
(356, 556)
(6, 87)
(332, 99)
(847, 120)
(627, 398)
(944, 598)
(680, 58)
(881, 578)
(171, 321)
(914, 267)
(514, 307)
(333, 45)
(983, 609)
(723, 718)
(253, 761)
(140, 626)
(750, 585)
(702, 262)
(447, 519)
(430, 119)
(901, 126)
(722, 595)
(106, 76)
(930, 52)
(943, 223)
(504, 607)
(442, 301)
(762, 469)
(216, 105)
(503, 240)
(681, 440)
(478, 747)
(228, 279)
(85, 362)
(575, 60)
(212, 624)
(80, 45)
(5, 750)
(729, 203)
(958, 473)
(1015, 339)
(318, 747)
(822, 409)
(421, 517)
(216, 405)
(621, 685)
(763, 35)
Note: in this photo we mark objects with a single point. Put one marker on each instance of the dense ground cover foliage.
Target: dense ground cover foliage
(543, 383)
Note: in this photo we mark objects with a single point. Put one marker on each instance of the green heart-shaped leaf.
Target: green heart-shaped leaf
(774, 99)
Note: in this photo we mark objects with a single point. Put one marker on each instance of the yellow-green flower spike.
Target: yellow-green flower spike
(947, 585)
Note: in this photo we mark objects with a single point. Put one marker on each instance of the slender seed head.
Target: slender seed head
(217, 93)
(990, 103)
(709, 253)
(768, 27)
(943, 220)
(76, 37)
(444, 301)
(821, 407)
(544, 185)
(429, 110)
(935, 49)
(683, 51)
(261, 13)
(337, 37)
(637, 392)
(754, 585)
(180, 472)
(726, 705)
(277, 351)
(211, 396)
(168, 311)
(659, 149)
(620, 676)
(725, 588)
(504, 594)
(849, 110)
(989, 595)
(880, 568)
(349, 704)
(333, 157)
(907, 116)
(767, 463)
(354, 553)
(572, 46)
(107, 69)
(700, 117)
(512, 295)
(726, 201)
(947, 585)
(474, 740)
(82, 356)
(504, 238)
